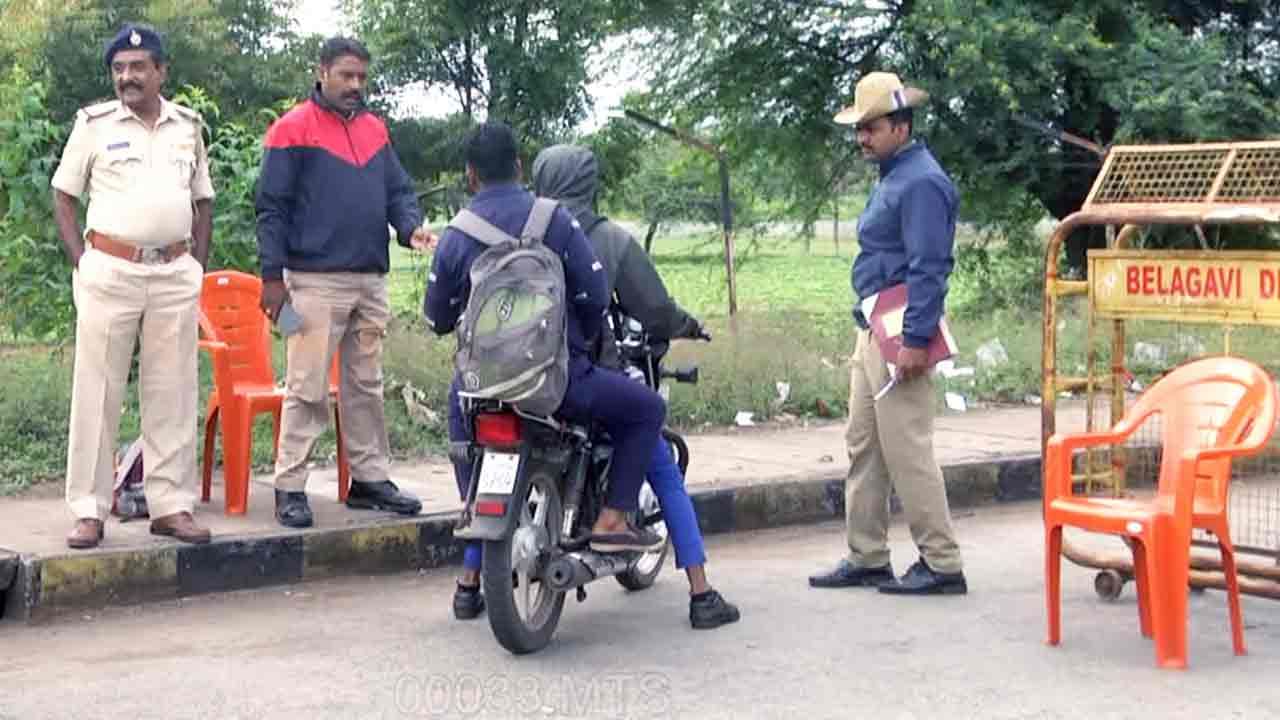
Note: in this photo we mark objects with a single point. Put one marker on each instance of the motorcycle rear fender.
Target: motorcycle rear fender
(494, 527)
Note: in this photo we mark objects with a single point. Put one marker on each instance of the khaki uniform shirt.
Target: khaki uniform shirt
(143, 183)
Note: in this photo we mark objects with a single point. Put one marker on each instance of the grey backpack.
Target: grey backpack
(512, 341)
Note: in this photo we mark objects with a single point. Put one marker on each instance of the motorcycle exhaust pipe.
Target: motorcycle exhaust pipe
(574, 570)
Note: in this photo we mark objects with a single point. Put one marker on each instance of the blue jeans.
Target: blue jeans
(677, 508)
(631, 412)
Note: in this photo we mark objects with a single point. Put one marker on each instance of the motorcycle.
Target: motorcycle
(537, 486)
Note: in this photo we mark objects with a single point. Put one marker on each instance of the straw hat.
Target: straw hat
(877, 94)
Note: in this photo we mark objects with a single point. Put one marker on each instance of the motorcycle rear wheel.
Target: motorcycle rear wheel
(523, 611)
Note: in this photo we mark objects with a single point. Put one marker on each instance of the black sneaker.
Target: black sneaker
(921, 579)
(293, 510)
(468, 602)
(381, 496)
(633, 539)
(710, 610)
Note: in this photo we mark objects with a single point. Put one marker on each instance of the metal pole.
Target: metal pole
(726, 218)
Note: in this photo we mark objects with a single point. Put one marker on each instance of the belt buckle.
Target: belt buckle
(152, 256)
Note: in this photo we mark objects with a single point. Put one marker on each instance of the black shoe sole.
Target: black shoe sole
(296, 524)
(948, 589)
(363, 504)
(864, 581)
(469, 613)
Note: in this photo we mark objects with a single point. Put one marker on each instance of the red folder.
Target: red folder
(886, 320)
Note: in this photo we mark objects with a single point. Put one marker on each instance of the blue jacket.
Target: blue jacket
(328, 189)
(507, 206)
(906, 234)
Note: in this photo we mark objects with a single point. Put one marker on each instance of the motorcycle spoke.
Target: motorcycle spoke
(524, 601)
(540, 513)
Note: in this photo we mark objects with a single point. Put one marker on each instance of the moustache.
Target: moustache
(130, 86)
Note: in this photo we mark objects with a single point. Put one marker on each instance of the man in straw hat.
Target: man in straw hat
(905, 234)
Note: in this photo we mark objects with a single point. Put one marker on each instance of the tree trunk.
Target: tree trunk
(835, 222)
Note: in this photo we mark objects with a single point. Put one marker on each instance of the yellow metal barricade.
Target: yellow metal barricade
(1238, 293)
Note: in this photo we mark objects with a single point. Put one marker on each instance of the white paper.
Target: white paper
(868, 305)
(955, 401)
(744, 419)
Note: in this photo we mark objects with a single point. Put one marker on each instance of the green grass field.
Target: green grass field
(793, 329)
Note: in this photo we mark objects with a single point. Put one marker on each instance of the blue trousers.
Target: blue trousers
(677, 508)
(631, 413)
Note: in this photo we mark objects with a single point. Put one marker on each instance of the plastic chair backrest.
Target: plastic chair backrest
(1212, 402)
(230, 303)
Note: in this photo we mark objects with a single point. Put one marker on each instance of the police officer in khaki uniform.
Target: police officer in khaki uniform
(138, 267)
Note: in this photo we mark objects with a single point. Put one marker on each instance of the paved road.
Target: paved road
(387, 648)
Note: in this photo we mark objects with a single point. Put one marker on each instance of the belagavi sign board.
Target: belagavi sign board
(1195, 287)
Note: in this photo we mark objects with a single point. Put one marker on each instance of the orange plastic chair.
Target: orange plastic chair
(237, 336)
(1211, 410)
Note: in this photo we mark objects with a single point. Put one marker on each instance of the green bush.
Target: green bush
(35, 405)
(35, 281)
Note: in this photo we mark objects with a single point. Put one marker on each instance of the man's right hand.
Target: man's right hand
(273, 296)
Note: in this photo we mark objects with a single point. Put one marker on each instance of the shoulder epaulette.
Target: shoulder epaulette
(188, 113)
(93, 112)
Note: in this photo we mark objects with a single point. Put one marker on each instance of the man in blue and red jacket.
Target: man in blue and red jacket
(330, 186)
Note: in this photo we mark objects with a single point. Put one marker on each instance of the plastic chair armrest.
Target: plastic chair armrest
(219, 352)
(1058, 454)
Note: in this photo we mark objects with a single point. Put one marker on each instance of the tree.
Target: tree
(242, 52)
(515, 60)
(765, 77)
(770, 75)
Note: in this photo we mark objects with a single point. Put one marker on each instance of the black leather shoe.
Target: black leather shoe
(468, 602)
(381, 496)
(920, 579)
(293, 510)
(846, 575)
(711, 611)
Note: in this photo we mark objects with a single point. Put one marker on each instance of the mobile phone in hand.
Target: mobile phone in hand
(288, 321)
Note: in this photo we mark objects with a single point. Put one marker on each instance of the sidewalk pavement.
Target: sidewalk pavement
(740, 479)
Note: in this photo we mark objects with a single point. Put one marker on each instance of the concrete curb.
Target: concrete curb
(44, 588)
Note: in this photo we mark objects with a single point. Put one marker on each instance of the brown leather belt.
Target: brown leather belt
(144, 255)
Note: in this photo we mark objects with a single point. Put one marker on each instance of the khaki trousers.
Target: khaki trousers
(890, 445)
(345, 313)
(115, 299)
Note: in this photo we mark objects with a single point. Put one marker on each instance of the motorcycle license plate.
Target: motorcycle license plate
(498, 473)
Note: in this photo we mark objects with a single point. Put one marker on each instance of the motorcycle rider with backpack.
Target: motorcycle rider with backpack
(631, 413)
(569, 174)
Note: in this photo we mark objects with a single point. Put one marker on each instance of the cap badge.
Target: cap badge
(135, 39)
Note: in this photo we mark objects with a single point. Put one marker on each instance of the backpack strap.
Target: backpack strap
(535, 227)
(479, 228)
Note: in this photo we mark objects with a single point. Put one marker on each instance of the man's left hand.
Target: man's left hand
(912, 362)
(423, 239)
